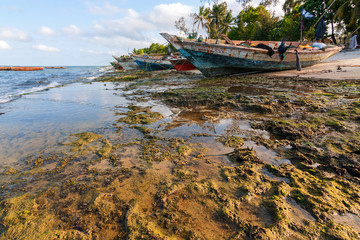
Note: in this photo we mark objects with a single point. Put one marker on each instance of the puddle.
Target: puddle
(298, 213)
(212, 146)
(128, 156)
(264, 154)
(348, 219)
(315, 165)
(50, 166)
(102, 165)
(273, 177)
(157, 107)
(199, 116)
(163, 167)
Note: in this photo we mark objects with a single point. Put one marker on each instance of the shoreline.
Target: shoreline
(185, 157)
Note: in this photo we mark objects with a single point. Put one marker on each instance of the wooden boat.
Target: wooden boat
(55, 67)
(218, 57)
(116, 65)
(21, 68)
(152, 63)
(181, 63)
(127, 63)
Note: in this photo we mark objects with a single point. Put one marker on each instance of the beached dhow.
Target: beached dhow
(127, 63)
(152, 63)
(218, 57)
(116, 65)
(181, 63)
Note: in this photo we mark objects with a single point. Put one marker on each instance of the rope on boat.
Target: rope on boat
(298, 63)
(326, 10)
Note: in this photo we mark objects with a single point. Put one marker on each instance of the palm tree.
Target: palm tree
(215, 21)
(217, 16)
(227, 23)
(202, 18)
(349, 10)
(289, 5)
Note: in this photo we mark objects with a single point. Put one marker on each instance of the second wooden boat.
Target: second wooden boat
(116, 65)
(127, 63)
(181, 63)
(152, 63)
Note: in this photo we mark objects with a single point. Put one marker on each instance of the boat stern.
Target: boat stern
(174, 40)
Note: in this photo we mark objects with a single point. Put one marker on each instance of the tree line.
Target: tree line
(258, 23)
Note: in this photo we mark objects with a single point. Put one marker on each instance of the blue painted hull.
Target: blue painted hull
(153, 66)
(212, 65)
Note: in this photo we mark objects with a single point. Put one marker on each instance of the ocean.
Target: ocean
(15, 84)
(41, 109)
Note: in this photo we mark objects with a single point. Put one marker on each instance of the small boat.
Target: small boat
(21, 68)
(116, 65)
(127, 63)
(181, 63)
(225, 57)
(152, 63)
(55, 67)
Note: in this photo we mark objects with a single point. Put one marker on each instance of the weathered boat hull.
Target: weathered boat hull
(127, 63)
(212, 65)
(182, 64)
(116, 65)
(21, 68)
(130, 65)
(152, 64)
(223, 59)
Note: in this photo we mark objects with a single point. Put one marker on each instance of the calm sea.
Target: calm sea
(14, 84)
(36, 115)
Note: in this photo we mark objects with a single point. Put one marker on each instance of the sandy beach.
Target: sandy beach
(168, 155)
(347, 60)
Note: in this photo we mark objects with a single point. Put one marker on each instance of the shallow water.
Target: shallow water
(264, 154)
(15, 84)
(43, 119)
(348, 219)
(298, 213)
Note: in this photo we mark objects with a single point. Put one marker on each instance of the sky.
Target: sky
(88, 32)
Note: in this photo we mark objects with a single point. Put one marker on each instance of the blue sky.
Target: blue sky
(85, 32)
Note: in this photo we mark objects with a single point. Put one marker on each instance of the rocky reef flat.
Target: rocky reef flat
(185, 157)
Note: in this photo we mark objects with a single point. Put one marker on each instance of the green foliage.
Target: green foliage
(254, 24)
(257, 23)
(154, 48)
(216, 20)
(348, 11)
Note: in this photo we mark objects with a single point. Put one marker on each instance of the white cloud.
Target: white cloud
(131, 26)
(12, 8)
(165, 15)
(107, 9)
(136, 27)
(44, 30)
(4, 45)
(72, 30)
(94, 52)
(45, 48)
(14, 34)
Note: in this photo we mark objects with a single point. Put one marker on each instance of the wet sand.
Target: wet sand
(169, 155)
